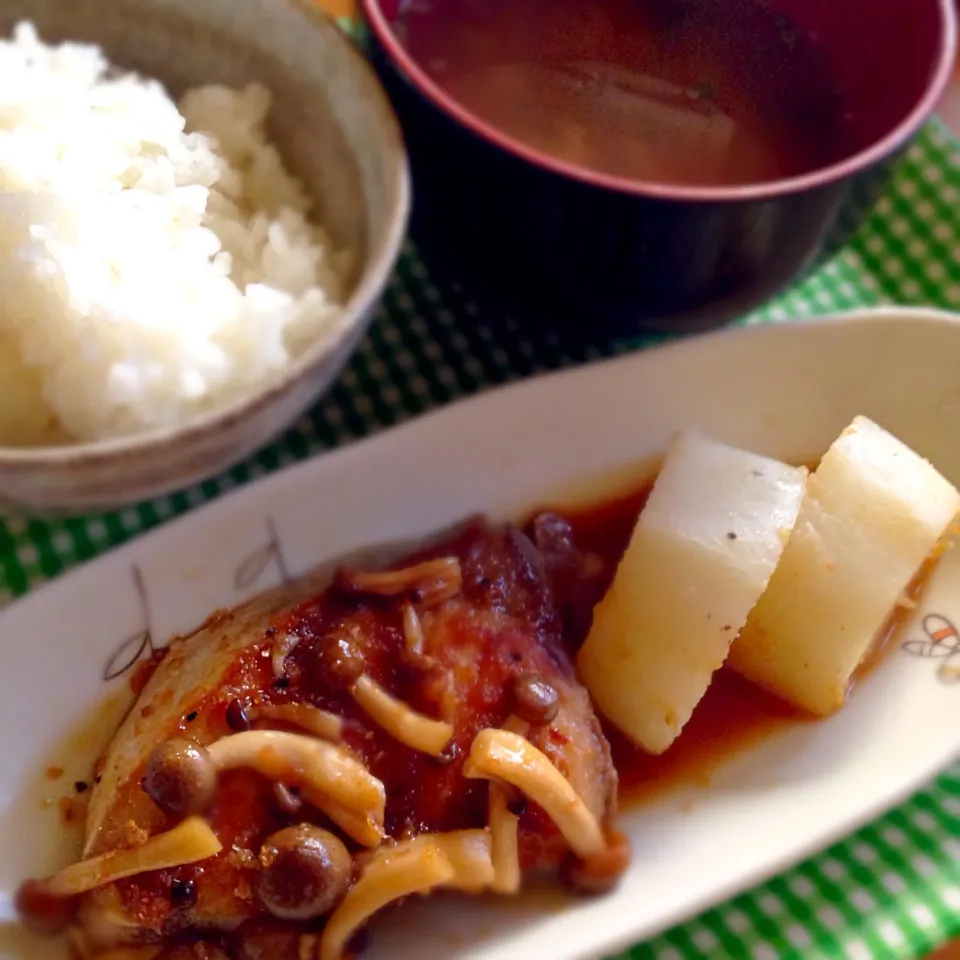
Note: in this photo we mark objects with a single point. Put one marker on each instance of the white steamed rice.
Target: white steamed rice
(147, 273)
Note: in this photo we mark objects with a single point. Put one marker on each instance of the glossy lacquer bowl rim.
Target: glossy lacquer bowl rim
(823, 176)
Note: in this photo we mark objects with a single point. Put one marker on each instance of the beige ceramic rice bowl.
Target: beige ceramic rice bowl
(334, 132)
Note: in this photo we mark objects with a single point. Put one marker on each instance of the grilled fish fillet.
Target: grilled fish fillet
(508, 619)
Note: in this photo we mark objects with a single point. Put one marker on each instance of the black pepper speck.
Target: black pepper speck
(237, 718)
(183, 893)
(448, 755)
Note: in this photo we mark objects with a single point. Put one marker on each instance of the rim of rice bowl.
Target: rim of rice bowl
(377, 260)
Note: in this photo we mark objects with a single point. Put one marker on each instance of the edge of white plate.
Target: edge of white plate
(492, 395)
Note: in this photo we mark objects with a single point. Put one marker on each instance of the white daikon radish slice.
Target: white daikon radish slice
(702, 552)
(873, 513)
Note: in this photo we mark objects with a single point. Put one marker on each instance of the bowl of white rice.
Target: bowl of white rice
(200, 206)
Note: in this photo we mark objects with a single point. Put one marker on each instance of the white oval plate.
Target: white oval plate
(785, 391)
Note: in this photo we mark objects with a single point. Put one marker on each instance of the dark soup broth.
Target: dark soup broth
(696, 92)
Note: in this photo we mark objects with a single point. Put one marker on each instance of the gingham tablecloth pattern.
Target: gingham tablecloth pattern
(890, 891)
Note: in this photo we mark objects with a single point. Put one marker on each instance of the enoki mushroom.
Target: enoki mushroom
(308, 946)
(505, 826)
(470, 854)
(188, 842)
(326, 775)
(321, 723)
(427, 583)
(400, 720)
(460, 860)
(413, 634)
(504, 847)
(511, 758)
(400, 872)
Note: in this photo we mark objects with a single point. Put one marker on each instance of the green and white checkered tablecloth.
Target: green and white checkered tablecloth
(890, 891)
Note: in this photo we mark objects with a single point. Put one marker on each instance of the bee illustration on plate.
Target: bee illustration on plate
(942, 642)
